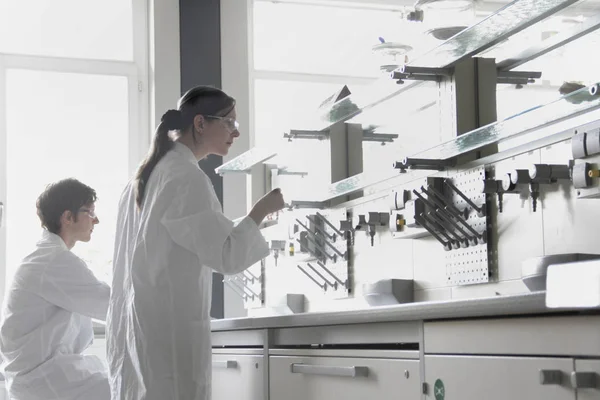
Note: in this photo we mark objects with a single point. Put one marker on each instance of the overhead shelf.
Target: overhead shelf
(578, 102)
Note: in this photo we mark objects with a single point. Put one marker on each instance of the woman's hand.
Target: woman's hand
(268, 204)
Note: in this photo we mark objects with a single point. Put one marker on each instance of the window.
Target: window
(71, 105)
(67, 28)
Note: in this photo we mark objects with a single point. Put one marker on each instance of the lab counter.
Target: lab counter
(505, 347)
(513, 305)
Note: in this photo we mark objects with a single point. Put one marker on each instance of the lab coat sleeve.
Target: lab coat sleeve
(68, 283)
(193, 223)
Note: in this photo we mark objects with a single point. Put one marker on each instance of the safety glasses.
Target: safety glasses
(230, 123)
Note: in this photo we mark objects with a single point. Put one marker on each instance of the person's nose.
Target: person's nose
(96, 221)
(235, 133)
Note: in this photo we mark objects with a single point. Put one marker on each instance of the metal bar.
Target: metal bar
(236, 278)
(435, 224)
(413, 70)
(426, 200)
(513, 81)
(379, 137)
(552, 43)
(235, 289)
(251, 274)
(336, 230)
(431, 231)
(320, 264)
(519, 74)
(321, 249)
(320, 275)
(506, 22)
(456, 226)
(317, 227)
(309, 250)
(449, 183)
(441, 197)
(322, 286)
(442, 222)
(304, 134)
(327, 370)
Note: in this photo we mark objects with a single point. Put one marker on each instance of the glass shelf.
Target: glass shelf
(578, 102)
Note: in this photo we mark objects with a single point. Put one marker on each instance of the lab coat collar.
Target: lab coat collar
(185, 152)
(53, 239)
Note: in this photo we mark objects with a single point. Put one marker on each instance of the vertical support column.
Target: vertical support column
(468, 98)
(346, 154)
(200, 47)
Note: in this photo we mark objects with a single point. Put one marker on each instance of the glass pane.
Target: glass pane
(352, 40)
(337, 40)
(413, 115)
(67, 28)
(65, 125)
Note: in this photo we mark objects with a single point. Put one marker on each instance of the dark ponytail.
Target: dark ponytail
(201, 100)
(161, 144)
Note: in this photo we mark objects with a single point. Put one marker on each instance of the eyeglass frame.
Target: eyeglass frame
(89, 212)
(236, 124)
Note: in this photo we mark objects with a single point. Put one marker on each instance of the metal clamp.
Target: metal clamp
(326, 370)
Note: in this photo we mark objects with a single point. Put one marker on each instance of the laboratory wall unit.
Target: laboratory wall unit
(439, 238)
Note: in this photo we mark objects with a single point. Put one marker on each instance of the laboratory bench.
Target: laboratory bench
(505, 347)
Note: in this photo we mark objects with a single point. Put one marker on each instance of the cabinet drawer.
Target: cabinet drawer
(498, 378)
(587, 379)
(237, 377)
(307, 378)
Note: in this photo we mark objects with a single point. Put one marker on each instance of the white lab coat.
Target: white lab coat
(47, 324)
(158, 325)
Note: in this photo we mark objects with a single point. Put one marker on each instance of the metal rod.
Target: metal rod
(235, 279)
(336, 230)
(320, 264)
(455, 225)
(320, 275)
(242, 287)
(440, 221)
(425, 200)
(461, 194)
(443, 201)
(519, 74)
(309, 250)
(317, 227)
(434, 224)
(431, 231)
(322, 286)
(251, 274)
(235, 289)
(321, 249)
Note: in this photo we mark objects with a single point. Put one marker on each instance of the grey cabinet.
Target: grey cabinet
(318, 378)
(237, 376)
(587, 379)
(498, 378)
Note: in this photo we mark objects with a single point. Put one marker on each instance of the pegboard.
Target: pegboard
(249, 285)
(470, 265)
(324, 258)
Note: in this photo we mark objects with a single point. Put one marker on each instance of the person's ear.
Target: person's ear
(199, 123)
(66, 218)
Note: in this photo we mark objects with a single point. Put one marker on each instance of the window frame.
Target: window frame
(137, 74)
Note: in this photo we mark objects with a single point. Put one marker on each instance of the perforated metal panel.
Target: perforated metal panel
(470, 265)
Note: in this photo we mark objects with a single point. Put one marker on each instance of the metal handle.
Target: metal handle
(550, 377)
(351, 372)
(1, 213)
(584, 380)
(229, 364)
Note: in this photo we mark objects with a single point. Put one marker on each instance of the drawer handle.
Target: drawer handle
(229, 364)
(351, 372)
(550, 377)
(584, 380)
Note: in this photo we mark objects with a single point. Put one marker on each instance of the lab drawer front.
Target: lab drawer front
(498, 378)
(318, 378)
(237, 377)
(587, 379)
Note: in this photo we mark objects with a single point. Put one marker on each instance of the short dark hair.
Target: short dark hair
(64, 195)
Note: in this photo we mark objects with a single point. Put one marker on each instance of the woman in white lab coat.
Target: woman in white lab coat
(171, 234)
(47, 312)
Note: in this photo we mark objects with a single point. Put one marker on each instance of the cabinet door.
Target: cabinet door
(237, 377)
(587, 379)
(498, 378)
(319, 378)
